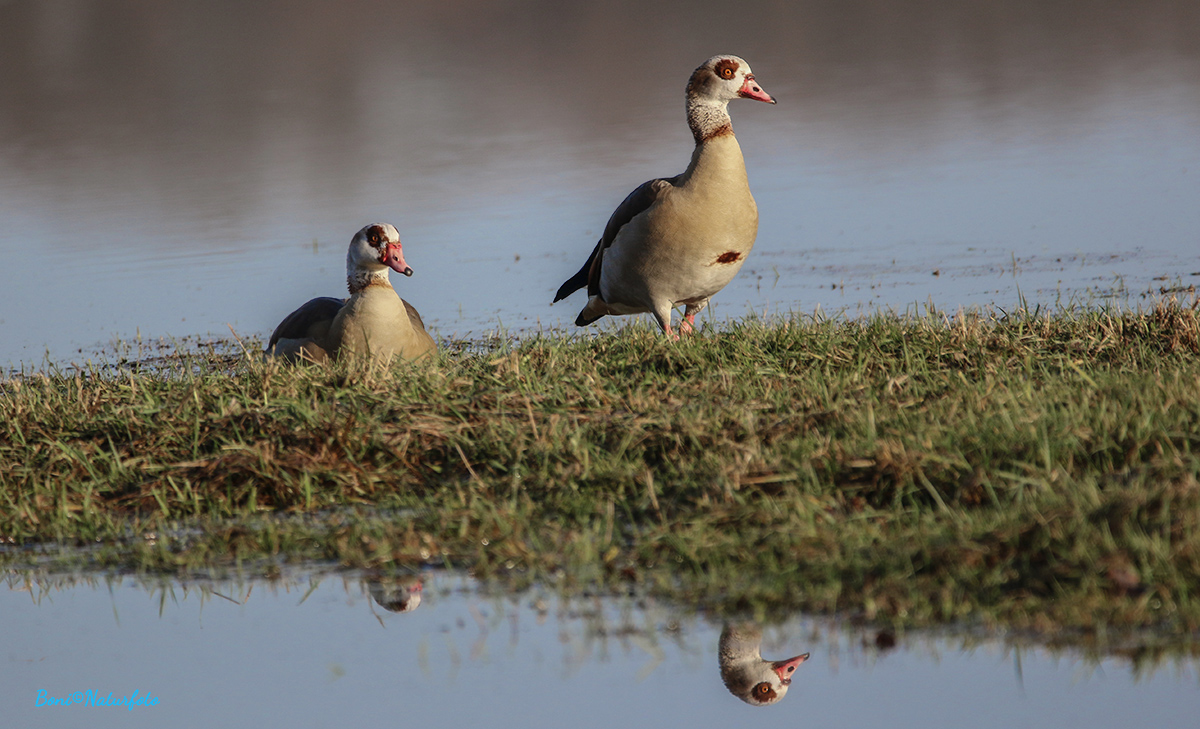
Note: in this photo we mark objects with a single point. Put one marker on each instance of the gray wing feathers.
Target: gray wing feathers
(414, 317)
(637, 202)
(633, 205)
(300, 324)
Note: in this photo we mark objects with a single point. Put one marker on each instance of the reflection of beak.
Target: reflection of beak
(751, 90)
(784, 669)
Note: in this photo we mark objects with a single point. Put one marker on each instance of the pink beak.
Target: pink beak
(785, 668)
(751, 90)
(393, 258)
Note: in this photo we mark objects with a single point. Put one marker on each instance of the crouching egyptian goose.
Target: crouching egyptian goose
(746, 673)
(374, 321)
(679, 240)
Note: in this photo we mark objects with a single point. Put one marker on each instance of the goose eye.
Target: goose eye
(726, 68)
(762, 689)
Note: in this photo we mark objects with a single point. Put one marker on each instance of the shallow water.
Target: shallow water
(174, 169)
(321, 651)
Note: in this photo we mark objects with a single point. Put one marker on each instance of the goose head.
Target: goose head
(721, 79)
(373, 251)
(398, 596)
(746, 673)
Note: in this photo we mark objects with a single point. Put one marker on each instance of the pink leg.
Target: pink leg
(688, 324)
(664, 320)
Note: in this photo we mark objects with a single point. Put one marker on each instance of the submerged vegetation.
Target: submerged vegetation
(1032, 470)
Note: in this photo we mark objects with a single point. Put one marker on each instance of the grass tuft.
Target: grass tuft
(1037, 469)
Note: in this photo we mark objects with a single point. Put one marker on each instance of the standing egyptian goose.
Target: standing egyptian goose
(746, 673)
(374, 321)
(679, 240)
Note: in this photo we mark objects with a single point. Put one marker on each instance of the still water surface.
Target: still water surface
(175, 169)
(330, 651)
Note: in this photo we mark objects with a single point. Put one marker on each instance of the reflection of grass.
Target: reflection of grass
(1035, 470)
(588, 628)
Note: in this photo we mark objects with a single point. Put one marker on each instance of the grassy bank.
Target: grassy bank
(1038, 471)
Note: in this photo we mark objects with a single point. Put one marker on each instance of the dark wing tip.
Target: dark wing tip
(572, 285)
(579, 280)
(580, 321)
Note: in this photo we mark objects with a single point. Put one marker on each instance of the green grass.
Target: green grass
(1038, 471)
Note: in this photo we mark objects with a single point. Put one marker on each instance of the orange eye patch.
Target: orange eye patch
(726, 68)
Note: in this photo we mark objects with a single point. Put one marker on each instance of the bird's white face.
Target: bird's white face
(724, 78)
(375, 247)
(767, 692)
(774, 678)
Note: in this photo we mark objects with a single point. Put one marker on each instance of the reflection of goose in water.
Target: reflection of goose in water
(746, 673)
(399, 595)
